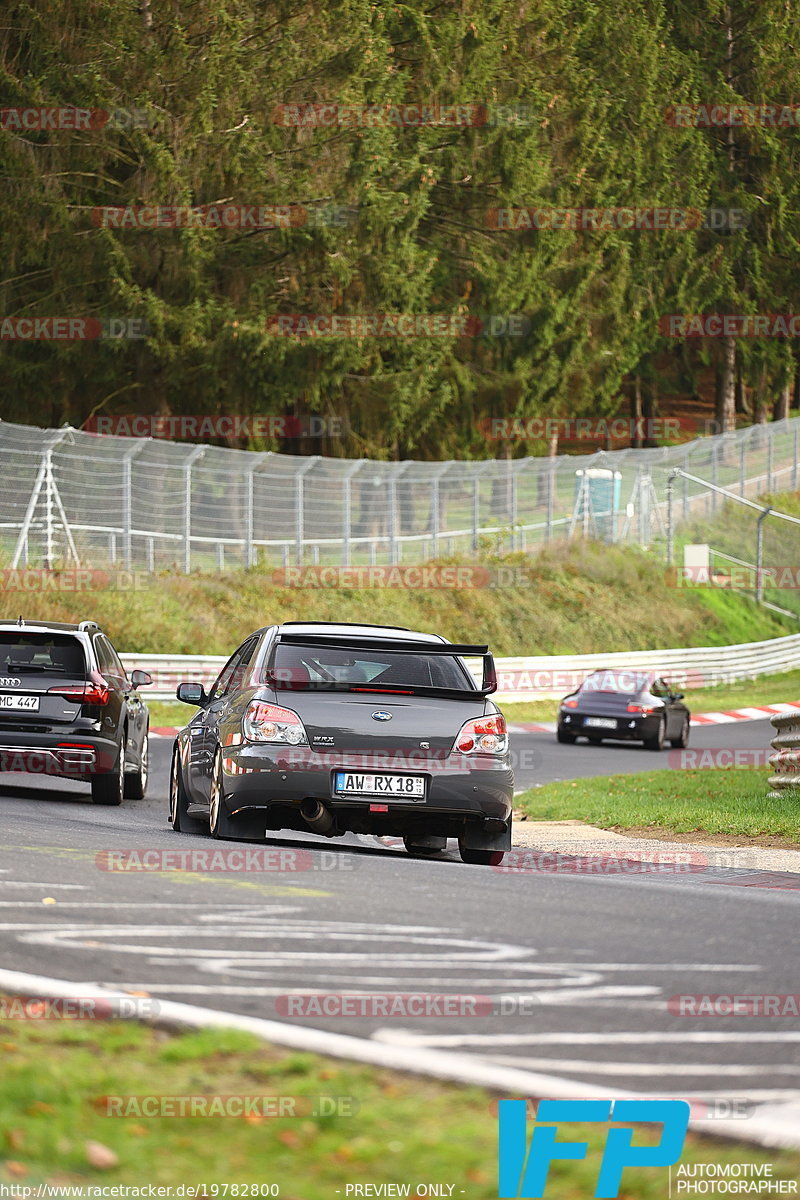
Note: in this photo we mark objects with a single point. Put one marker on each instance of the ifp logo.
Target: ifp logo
(523, 1172)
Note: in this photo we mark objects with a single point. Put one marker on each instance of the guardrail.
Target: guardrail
(541, 677)
(786, 761)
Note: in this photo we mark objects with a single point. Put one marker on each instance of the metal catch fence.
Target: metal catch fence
(69, 497)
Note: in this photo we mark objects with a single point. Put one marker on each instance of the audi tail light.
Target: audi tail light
(264, 722)
(484, 735)
(94, 691)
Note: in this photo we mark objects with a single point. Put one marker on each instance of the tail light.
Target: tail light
(640, 708)
(485, 735)
(569, 703)
(264, 722)
(94, 691)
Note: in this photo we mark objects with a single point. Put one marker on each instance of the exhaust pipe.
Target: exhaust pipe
(318, 817)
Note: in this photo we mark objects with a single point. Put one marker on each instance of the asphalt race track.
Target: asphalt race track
(581, 966)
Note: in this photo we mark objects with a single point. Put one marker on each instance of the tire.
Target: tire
(566, 739)
(481, 858)
(682, 741)
(658, 740)
(136, 783)
(180, 821)
(417, 851)
(108, 788)
(219, 823)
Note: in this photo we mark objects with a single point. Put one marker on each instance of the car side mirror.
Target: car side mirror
(141, 678)
(192, 693)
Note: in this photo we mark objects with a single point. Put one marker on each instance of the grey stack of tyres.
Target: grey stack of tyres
(785, 762)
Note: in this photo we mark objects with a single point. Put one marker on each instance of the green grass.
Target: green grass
(721, 801)
(574, 598)
(769, 689)
(405, 1129)
(732, 530)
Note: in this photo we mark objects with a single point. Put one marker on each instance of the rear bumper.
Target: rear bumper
(455, 791)
(633, 728)
(76, 758)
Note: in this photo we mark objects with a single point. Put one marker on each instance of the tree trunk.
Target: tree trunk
(649, 412)
(726, 388)
(782, 404)
(636, 413)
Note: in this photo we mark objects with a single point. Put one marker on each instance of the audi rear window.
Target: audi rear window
(26, 653)
(301, 666)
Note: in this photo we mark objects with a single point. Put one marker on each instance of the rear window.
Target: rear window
(301, 666)
(626, 683)
(26, 653)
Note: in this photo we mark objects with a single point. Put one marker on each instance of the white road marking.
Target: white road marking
(575, 1038)
(66, 887)
(778, 1127)
(588, 1066)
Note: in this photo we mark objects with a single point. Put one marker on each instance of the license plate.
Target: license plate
(601, 722)
(394, 787)
(26, 703)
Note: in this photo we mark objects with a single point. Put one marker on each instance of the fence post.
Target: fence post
(551, 498)
(435, 516)
(760, 555)
(742, 466)
(127, 504)
(394, 516)
(249, 526)
(347, 509)
(514, 504)
(187, 507)
(299, 506)
(796, 454)
(770, 440)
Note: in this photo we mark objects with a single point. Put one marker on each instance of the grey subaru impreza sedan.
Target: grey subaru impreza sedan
(336, 729)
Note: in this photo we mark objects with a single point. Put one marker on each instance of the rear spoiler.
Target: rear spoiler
(354, 642)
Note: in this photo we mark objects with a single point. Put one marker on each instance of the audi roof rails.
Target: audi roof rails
(85, 626)
(354, 624)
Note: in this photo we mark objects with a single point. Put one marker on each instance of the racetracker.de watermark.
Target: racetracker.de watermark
(723, 325)
(395, 325)
(244, 1106)
(723, 757)
(72, 329)
(223, 216)
(607, 220)
(402, 1005)
(722, 116)
(631, 862)
(729, 1108)
(31, 119)
(784, 576)
(77, 1008)
(418, 115)
(437, 577)
(590, 429)
(72, 579)
(727, 1004)
(223, 425)
(234, 859)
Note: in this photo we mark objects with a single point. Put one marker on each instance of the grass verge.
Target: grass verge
(572, 598)
(722, 801)
(770, 689)
(405, 1129)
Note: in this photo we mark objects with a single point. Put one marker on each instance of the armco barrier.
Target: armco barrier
(786, 761)
(545, 676)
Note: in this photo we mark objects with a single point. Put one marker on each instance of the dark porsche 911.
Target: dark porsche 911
(348, 728)
(629, 705)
